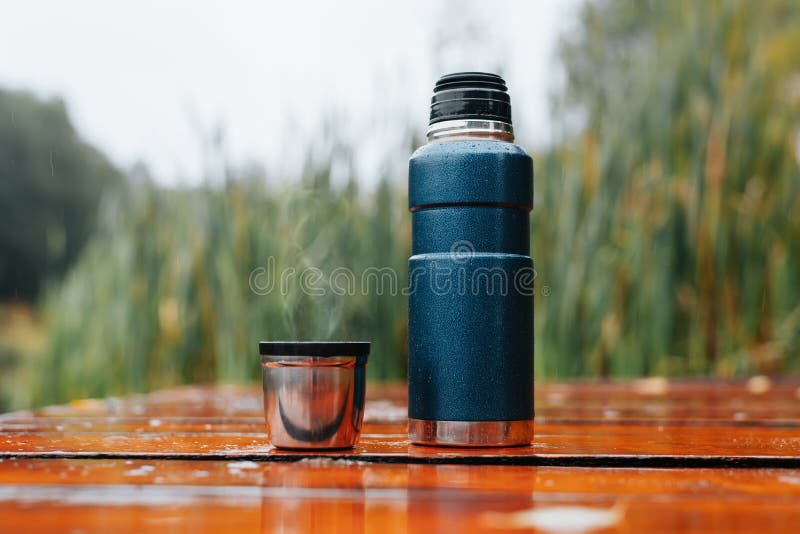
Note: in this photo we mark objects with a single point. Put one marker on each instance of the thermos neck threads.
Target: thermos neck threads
(470, 129)
(470, 104)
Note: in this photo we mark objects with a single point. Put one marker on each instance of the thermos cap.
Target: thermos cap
(470, 95)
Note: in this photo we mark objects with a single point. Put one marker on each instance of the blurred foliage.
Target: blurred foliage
(21, 333)
(50, 185)
(666, 234)
(162, 294)
(669, 228)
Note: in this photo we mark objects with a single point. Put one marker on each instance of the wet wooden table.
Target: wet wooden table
(644, 456)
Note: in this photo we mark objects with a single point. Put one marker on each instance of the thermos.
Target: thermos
(470, 310)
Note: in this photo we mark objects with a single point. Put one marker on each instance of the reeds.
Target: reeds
(162, 295)
(669, 228)
(666, 230)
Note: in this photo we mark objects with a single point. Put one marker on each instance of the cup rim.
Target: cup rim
(314, 348)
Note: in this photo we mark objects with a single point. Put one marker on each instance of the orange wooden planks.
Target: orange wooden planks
(604, 424)
(553, 443)
(662, 459)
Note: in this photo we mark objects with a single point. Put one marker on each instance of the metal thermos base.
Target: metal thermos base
(470, 433)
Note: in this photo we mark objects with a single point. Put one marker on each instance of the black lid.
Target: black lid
(470, 95)
(313, 348)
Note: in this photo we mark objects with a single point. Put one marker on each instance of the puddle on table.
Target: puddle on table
(560, 519)
(143, 470)
(239, 468)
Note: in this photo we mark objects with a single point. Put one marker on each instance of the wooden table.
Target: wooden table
(644, 456)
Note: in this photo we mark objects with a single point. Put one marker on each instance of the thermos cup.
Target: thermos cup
(470, 310)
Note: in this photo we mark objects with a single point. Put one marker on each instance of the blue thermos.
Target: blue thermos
(470, 309)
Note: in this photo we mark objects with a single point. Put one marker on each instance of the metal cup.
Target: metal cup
(314, 393)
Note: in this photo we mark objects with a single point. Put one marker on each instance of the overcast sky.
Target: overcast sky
(147, 80)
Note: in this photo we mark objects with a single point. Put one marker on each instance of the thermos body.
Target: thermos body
(471, 277)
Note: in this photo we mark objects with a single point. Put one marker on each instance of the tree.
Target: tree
(50, 185)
